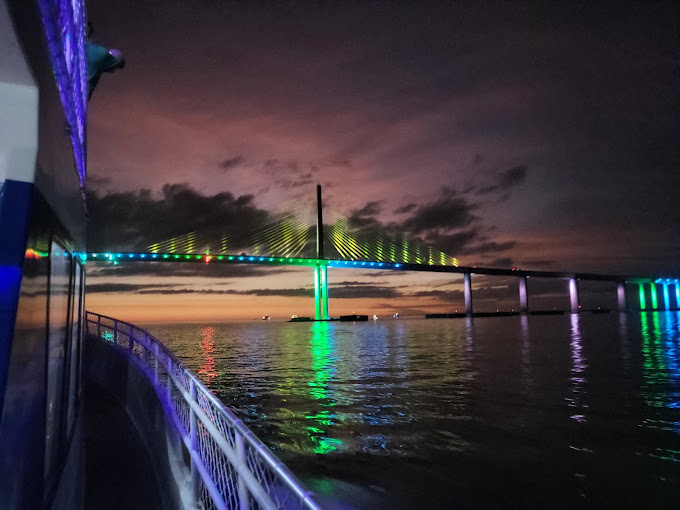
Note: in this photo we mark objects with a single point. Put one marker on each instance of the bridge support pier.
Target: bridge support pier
(467, 288)
(321, 292)
(641, 293)
(666, 297)
(654, 296)
(621, 295)
(523, 295)
(573, 295)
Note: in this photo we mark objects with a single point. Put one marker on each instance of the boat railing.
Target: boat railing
(230, 467)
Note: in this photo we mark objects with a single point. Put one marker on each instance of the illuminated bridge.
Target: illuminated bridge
(288, 240)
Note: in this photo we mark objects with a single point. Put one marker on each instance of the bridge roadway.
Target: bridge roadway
(117, 257)
(321, 265)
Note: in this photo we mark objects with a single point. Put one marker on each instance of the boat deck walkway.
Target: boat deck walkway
(118, 470)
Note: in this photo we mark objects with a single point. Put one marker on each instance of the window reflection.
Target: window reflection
(74, 346)
(59, 281)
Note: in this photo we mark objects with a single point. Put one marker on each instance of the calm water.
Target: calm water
(572, 411)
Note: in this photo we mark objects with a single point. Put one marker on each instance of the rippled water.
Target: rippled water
(572, 411)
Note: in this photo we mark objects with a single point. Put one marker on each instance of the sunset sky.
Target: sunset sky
(537, 135)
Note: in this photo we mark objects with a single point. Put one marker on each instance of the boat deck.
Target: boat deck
(118, 473)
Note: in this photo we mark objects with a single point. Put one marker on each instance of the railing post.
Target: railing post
(243, 496)
(115, 331)
(131, 336)
(155, 363)
(99, 326)
(169, 381)
(195, 476)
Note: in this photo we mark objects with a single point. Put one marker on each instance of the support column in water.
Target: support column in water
(641, 292)
(523, 295)
(321, 292)
(323, 283)
(666, 297)
(677, 295)
(655, 299)
(317, 292)
(573, 295)
(621, 295)
(467, 288)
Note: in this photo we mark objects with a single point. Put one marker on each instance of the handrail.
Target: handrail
(230, 466)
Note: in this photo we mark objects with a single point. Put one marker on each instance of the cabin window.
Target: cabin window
(74, 347)
(58, 309)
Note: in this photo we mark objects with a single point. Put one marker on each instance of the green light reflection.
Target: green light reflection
(323, 371)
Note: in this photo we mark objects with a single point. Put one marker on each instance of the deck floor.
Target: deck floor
(118, 470)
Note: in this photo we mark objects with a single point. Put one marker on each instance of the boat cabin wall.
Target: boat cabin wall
(42, 229)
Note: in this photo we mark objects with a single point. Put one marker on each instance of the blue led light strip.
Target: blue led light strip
(64, 25)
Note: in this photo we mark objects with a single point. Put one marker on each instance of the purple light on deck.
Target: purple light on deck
(64, 24)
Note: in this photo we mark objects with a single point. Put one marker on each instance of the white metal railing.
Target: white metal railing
(230, 467)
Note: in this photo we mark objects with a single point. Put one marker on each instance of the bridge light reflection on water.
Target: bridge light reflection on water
(661, 372)
(323, 370)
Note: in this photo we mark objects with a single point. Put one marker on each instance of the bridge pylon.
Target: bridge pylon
(321, 268)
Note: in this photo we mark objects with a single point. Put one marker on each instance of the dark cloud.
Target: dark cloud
(95, 181)
(538, 263)
(455, 243)
(354, 283)
(489, 247)
(133, 220)
(512, 177)
(370, 209)
(504, 181)
(406, 208)
(364, 218)
(299, 292)
(365, 291)
(230, 163)
(289, 174)
(444, 295)
(502, 262)
(127, 288)
(450, 211)
(175, 269)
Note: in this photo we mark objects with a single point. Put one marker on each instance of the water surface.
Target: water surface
(573, 411)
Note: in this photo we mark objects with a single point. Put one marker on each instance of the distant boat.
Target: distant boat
(375, 317)
(265, 317)
(353, 318)
(297, 318)
(396, 315)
